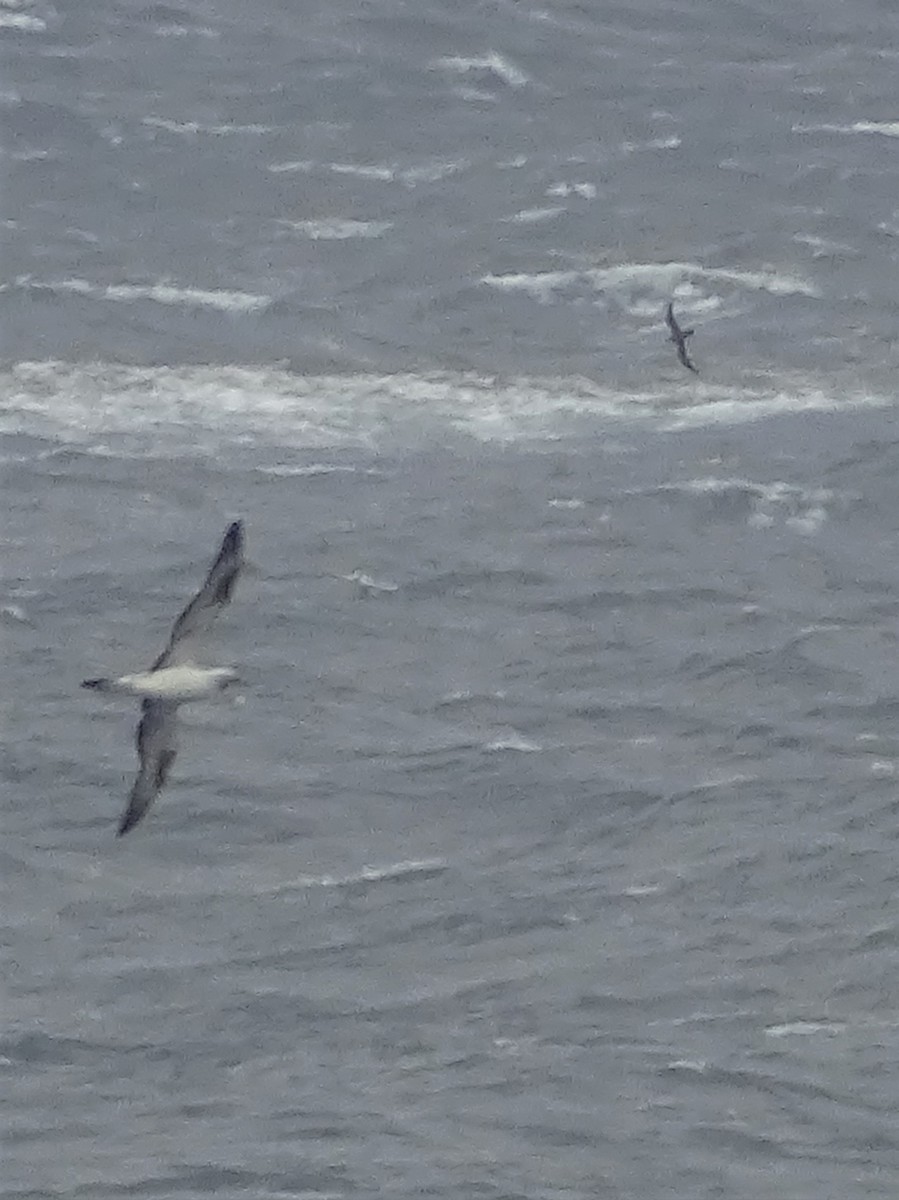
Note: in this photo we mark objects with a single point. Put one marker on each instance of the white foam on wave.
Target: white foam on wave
(475, 95)
(740, 406)
(193, 128)
(196, 410)
(431, 171)
(512, 741)
(662, 143)
(184, 31)
(266, 877)
(295, 167)
(368, 584)
(158, 293)
(279, 471)
(532, 216)
(497, 64)
(586, 191)
(805, 1029)
(364, 170)
(661, 277)
(401, 870)
(825, 247)
(882, 769)
(15, 614)
(337, 229)
(36, 155)
(22, 22)
(777, 502)
(883, 128)
(423, 868)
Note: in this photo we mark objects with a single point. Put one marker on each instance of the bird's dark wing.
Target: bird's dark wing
(671, 323)
(156, 749)
(209, 600)
(684, 357)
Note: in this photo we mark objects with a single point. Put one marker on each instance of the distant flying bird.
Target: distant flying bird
(679, 337)
(175, 678)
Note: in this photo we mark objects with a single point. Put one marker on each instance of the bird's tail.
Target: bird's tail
(99, 685)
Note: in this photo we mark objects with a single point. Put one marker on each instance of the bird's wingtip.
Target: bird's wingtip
(126, 824)
(233, 540)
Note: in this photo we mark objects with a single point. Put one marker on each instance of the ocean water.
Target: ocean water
(549, 849)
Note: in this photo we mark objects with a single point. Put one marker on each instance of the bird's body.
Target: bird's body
(679, 337)
(175, 679)
(175, 684)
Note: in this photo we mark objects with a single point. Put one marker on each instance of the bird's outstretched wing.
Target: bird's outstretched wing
(677, 334)
(156, 749)
(209, 600)
(684, 358)
(670, 321)
(679, 337)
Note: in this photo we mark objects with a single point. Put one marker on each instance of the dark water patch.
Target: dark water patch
(227, 1182)
(41, 1049)
(737, 1142)
(475, 584)
(470, 929)
(612, 601)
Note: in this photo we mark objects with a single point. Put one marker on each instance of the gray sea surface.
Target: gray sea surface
(549, 850)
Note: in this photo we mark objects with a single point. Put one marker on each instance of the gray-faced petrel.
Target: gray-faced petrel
(175, 678)
(679, 337)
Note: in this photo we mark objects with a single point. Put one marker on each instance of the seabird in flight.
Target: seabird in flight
(175, 678)
(679, 337)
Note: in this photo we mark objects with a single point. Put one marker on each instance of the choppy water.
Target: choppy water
(551, 852)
